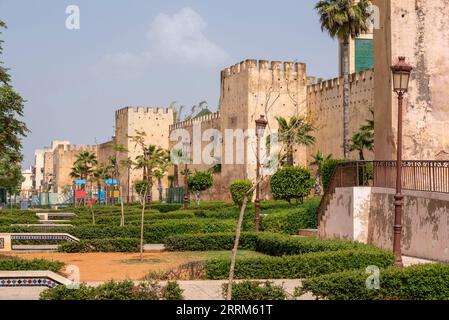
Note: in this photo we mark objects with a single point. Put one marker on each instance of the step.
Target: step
(311, 233)
(35, 247)
(154, 247)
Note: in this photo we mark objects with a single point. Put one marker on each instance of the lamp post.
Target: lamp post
(401, 76)
(261, 124)
(185, 152)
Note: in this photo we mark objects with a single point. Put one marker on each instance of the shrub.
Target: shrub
(101, 245)
(211, 241)
(327, 170)
(254, 290)
(122, 290)
(169, 207)
(299, 266)
(238, 190)
(279, 245)
(200, 181)
(291, 183)
(421, 282)
(16, 264)
(291, 220)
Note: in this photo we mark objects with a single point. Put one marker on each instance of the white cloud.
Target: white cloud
(178, 38)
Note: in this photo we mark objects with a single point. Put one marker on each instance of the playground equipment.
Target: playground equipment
(112, 191)
(79, 192)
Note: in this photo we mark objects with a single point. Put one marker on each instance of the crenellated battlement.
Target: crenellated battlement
(190, 122)
(77, 148)
(275, 66)
(143, 110)
(336, 82)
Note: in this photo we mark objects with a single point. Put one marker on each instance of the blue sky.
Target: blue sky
(143, 53)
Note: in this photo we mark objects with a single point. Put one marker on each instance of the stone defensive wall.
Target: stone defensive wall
(287, 66)
(188, 123)
(325, 104)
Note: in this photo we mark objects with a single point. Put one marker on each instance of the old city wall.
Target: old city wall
(416, 29)
(154, 122)
(324, 103)
(63, 158)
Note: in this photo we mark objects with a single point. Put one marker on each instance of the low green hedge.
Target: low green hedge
(420, 282)
(166, 207)
(16, 264)
(211, 241)
(255, 290)
(291, 220)
(124, 290)
(278, 245)
(299, 266)
(101, 245)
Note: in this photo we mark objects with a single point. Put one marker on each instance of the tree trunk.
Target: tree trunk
(176, 175)
(198, 198)
(93, 214)
(127, 194)
(141, 225)
(122, 218)
(361, 155)
(318, 184)
(346, 97)
(290, 160)
(237, 240)
(159, 187)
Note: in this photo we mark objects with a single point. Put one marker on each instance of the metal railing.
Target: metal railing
(431, 176)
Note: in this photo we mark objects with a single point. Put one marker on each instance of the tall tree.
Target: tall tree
(344, 19)
(318, 160)
(84, 164)
(294, 131)
(364, 138)
(12, 130)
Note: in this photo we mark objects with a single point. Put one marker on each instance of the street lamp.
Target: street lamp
(185, 153)
(261, 124)
(401, 76)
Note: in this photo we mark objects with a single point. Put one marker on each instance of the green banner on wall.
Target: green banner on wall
(364, 54)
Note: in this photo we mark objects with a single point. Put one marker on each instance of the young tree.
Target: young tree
(344, 19)
(294, 131)
(318, 160)
(12, 130)
(200, 181)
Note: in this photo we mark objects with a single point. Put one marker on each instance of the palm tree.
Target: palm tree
(344, 19)
(294, 131)
(83, 165)
(127, 164)
(176, 154)
(319, 160)
(364, 138)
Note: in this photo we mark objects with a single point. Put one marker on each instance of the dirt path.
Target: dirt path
(116, 266)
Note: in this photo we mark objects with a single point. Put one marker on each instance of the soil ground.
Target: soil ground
(121, 266)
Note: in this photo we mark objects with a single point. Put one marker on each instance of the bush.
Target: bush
(254, 290)
(291, 220)
(238, 190)
(421, 282)
(200, 181)
(166, 207)
(101, 245)
(211, 241)
(16, 264)
(327, 170)
(291, 183)
(299, 266)
(279, 245)
(123, 290)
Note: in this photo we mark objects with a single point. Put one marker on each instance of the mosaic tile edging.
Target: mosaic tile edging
(27, 282)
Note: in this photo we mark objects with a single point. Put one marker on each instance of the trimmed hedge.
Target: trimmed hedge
(292, 219)
(421, 282)
(211, 241)
(101, 245)
(299, 266)
(169, 207)
(254, 290)
(279, 245)
(123, 290)
(16, 264)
